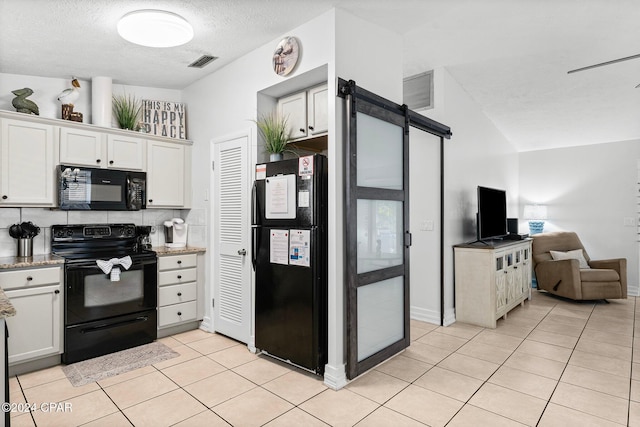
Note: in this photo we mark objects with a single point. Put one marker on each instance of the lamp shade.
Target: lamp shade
(535, 212)
(155, 28)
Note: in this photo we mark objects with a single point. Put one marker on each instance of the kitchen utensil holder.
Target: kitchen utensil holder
(25, 247)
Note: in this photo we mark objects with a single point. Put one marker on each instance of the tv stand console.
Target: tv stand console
(490, 280)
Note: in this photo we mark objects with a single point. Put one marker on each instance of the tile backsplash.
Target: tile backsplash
(45, 218)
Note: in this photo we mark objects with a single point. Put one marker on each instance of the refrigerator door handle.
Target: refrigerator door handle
(254, 230)
(254, 201)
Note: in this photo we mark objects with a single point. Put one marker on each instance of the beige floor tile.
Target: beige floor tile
(565, 320)
(634, 414)
(524, 382)
(377, 386)
(596, 380)
(194, 370)
(218, 388)
(572, 312)
(339, 408)
(460, 330)
(42, 376)
(559, 328)
(422, 325)
(139, 389)
(511, 404)
(404, 368)
(517, 319)
(57, 391)
(470, 366)
(386, 417)
(607, 337)
(591, 402)
(611, 326)
(425, 406)
(23, 420)
(15, 391)
(471, 416)
(536, 365)
(635, 371)
(295, 418)
(207, 418)
(449, 383)
(170, 342)
(191, 336)
(126, 376)
(561, 416)
(600, 363)
(295, 386)
(116, 419)
(262, 370)
(492, 338)
(513, 330)
(604, 349)
(233, 356)
(164, 410)
(185, 352)
(546, 351)
(426, 353)
(253, 408)
(552, 338)
(212, 344)
(444, 341)
(80, 410)
(485, 352)
(634, 395)
(417, 333)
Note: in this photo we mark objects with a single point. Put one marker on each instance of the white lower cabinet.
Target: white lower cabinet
(177, 289)
(490, 280)
(36, 329)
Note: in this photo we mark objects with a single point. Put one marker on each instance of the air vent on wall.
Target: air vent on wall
(202, 61)
(417, 91)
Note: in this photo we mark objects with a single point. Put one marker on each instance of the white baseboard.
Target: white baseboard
(335, 377)
(633, 291)
(424, 315)
(207, 325)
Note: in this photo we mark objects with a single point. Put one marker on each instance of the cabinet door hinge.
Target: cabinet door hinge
(213, 165)
(213, 302)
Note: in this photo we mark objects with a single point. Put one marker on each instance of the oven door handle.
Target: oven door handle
(114, 325)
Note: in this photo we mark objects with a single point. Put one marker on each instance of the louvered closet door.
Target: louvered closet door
(231, 266)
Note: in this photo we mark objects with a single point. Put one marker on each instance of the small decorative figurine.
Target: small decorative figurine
(67, 98)
(23, 105)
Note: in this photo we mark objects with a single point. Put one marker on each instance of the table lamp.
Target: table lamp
(536, 214)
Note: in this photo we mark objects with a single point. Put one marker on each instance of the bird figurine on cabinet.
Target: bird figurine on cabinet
(22, 104)
(70, 95)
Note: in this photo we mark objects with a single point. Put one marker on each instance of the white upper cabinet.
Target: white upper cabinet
(168, 175)
(100, 150)
(294, 109)
(306, 112)
(28, 159)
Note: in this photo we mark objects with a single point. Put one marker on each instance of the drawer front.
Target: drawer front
(176, 313)
(177, 276)
(176, 294)
(176, 261)
(13, 279)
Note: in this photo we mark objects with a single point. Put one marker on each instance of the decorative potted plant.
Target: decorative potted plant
(126, 109)
(275, 134)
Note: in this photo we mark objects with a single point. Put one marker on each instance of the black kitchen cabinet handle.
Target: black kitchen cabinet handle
(4, 197)
(179, 276)
(179, 262)
(179, 294)
(150, 200)
(302, 130)
(110, 162)
(29, 278)
(310, 127)
(56, 291)
(179, 313)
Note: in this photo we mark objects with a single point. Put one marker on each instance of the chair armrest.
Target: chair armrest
(560, 277)
(617, 264)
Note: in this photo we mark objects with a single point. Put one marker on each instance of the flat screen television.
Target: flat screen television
(492, 213)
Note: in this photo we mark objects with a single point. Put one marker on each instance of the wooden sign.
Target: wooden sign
(164, 118)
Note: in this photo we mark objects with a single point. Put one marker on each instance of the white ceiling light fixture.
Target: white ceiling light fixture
(155, 28)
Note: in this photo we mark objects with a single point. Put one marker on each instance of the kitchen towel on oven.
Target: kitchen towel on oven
(109, 267)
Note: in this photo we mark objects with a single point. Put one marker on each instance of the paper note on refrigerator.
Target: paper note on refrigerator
(279, 247)
(299, 247)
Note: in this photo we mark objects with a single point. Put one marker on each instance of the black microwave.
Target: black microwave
(81, 188)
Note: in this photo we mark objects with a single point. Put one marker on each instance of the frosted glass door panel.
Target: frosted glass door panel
(380, 315)
(380, 153)
(380, 236)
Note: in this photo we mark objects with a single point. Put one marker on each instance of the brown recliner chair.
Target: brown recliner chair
(594, 280)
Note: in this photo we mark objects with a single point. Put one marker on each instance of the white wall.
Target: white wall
(590, 190)
(477, 154)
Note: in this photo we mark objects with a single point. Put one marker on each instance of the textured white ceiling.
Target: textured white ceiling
(511, 56)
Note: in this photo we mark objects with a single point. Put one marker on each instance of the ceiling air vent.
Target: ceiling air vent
(417, 91)
(203, 61)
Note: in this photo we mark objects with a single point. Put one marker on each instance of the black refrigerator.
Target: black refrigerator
(289, 255)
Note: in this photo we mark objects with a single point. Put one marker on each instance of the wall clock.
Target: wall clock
(285, 57)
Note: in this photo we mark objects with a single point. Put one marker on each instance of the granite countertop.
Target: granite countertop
(34, 261)
(6, 308)
(163, 250)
